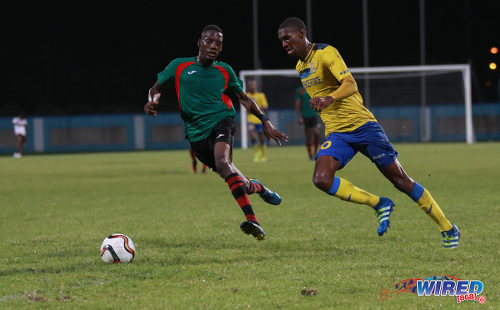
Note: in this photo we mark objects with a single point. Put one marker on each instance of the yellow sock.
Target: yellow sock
(263, 149)
(345, 190)
(427, 204)
(256, 152)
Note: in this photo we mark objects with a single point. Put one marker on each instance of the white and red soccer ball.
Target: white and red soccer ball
(117, 248)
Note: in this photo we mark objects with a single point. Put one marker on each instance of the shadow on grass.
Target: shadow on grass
(206, 251)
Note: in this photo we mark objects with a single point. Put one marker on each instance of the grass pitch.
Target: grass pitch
(191, 254)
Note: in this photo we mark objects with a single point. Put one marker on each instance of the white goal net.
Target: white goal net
(413, 103)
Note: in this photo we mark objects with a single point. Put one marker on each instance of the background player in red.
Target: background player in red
(194, 162)
(309, 118)
(205, 89)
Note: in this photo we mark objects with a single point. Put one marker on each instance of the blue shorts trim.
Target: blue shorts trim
(369, 139)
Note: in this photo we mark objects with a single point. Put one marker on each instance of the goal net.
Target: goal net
(412, 103)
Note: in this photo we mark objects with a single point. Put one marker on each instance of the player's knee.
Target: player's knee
(323, 181)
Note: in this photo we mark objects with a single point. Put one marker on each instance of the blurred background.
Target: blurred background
(73, 59)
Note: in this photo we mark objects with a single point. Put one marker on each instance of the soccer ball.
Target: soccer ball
(117, 248)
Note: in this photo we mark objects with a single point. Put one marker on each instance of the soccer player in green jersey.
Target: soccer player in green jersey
(309, 118)
(350, 128)
(205, 90)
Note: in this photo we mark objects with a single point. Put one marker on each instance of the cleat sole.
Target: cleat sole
(254, 230)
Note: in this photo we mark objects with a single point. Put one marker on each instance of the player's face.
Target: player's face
(293, 41)
(210, 45)
(252, 86)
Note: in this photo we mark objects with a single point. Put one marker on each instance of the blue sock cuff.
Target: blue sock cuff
(335, 186)
(417, 192)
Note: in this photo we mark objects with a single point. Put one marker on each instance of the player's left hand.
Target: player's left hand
(272, 133)
(151, 108)
(320, 103)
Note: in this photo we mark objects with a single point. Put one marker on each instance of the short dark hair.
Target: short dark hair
(212, 27)
(293, 22)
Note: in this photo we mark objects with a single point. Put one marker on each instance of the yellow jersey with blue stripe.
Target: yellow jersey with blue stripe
(261, 100)
(321, 73)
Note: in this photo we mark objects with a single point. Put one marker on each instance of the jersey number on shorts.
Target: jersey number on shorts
(326, 145)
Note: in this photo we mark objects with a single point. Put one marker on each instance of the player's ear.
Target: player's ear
(302, 33)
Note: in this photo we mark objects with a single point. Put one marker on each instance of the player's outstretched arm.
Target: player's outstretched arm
(267, 127)
(151, 107)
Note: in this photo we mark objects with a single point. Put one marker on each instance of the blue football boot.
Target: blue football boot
(451, 238)
(268, 195)
(383, 211)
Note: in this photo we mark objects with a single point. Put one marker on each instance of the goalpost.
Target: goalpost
(413, 103)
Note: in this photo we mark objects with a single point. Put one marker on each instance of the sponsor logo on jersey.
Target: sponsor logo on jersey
(311, 82)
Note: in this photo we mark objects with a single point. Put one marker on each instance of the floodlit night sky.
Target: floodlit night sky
(101, 57)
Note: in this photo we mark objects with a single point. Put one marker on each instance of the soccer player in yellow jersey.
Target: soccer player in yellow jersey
(255, 132)
(349, 128)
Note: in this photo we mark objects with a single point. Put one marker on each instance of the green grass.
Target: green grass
(55, 210)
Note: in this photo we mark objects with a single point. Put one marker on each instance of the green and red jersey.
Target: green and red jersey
(200, 93)
(305, 107)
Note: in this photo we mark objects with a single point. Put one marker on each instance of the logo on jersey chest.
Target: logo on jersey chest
(304, 74)
(307, 71)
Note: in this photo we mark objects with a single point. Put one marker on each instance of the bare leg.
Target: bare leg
(194, 162)
(309, 133)
(398, 177)
(324, 172)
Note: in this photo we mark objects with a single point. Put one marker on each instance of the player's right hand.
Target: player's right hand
(151, 107)
(320, 103)
(301, 120)
(272, 133)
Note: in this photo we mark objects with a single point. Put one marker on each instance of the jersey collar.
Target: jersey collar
(310, 53)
